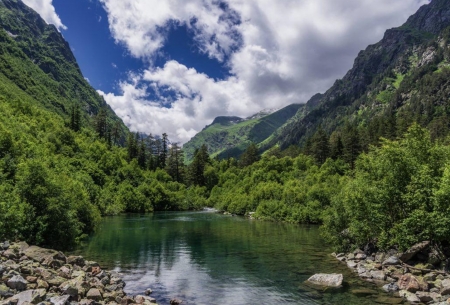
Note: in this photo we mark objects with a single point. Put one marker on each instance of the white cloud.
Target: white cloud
(279, 52)
(47, 11)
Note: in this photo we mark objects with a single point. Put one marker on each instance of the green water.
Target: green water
(206, 258)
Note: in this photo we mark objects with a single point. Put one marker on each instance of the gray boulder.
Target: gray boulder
(40, 255)
(411, 252)
(328, 280)
(391, 261)
(30, 296)
(392, 287)
(17, 282)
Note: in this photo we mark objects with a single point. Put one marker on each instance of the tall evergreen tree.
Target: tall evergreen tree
(197, 167)
(351, 144)
(250, 156)
(175, 162)
(320, 148)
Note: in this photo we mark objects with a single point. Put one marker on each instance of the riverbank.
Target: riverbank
(416, 275)
(34, 275)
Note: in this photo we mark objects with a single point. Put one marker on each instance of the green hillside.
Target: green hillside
(400, 80)
(35, 57)
(230, 136)
(62, 165)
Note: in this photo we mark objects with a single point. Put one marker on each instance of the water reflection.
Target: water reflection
(206, 258)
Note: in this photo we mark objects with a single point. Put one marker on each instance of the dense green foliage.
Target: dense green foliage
(396, 195)
(55, 183)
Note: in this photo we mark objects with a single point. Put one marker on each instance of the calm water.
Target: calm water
(206, 258)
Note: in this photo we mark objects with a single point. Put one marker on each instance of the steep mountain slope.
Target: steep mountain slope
(35, 57)
(401, 79)
(230, 136)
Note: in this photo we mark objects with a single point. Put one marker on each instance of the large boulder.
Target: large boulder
(40, 255)
(30, 296)
(411, 252)
(17, 282)
(328, 280)
(391, 261)
(409, 283)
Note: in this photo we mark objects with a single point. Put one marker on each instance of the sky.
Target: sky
(174, 65)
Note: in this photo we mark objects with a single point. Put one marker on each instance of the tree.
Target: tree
(163, 151)
(175, 162)
(250, 156)
(320, 148)
(75, 118)
(351, 144)
(101, 126)
(197, 167)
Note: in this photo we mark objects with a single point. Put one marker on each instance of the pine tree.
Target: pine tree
(320, 148)
(197, 167)
(101, 123)
(250, 156)
(164, 150)
(75, 118)
(142, 154)
(175, 162)
(351, 144)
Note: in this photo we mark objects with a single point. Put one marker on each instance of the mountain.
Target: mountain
(399, 80)
(230, 136)
(35, 57)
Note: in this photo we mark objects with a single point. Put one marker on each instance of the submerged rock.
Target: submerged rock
(328, 280)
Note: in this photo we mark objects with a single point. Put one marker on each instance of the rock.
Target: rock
(351, 256)
(42, 284)
(411, 252)
(351, 264)
(65, 272)
(86, 302)
(329, 280)
(409, 296)
(55, 280)
(175, 302)
(445, 287)
(60, 300)
(5, 245)
(17, 282)
(379, 257)
(109, 296)
(424, 297)
(378, 275)
(148, 291)
(39, 254)
(391, 261)
(94, 294)
(5, 292)
(69, 289)
(140, 299)
(409, 283)
(392, 287)
(76, 260)
(360, 256)
(10, 254)
(30, 296)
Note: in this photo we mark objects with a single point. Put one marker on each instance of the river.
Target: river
(204, 258)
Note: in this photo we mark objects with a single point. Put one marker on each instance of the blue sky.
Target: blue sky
(174, 65)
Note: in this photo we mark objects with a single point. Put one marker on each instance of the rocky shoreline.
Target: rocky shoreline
(34, 275)
(416, 275)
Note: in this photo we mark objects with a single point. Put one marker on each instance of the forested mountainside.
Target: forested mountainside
(35, 57)
(62, 164)
(228, 137)
(402, 79)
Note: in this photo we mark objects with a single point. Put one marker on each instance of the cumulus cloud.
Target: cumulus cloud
(47, 11)
(278, 53)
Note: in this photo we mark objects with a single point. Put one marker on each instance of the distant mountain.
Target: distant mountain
(230, 136)
(35, 57)
(399, 80)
